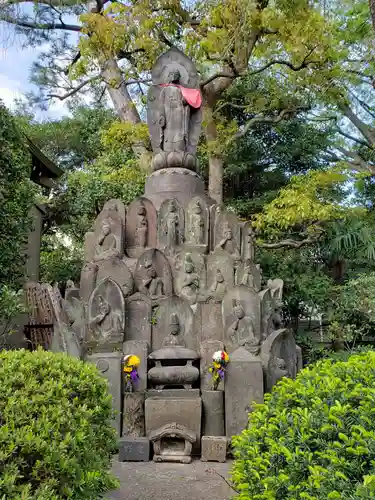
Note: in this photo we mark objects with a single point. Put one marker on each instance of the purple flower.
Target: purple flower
(134, 375)
(221, 374)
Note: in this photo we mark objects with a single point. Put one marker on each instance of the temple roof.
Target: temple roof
(44, 171)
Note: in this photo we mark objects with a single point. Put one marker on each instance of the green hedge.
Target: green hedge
(313, 438)
(56, 440)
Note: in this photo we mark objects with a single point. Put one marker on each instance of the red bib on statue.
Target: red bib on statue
(192, 96)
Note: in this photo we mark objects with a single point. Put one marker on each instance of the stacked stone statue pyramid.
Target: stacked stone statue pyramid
(172, 278)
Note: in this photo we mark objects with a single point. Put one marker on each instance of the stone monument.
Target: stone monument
(171, 279)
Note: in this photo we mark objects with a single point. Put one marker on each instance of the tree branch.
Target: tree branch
(221, 74)
(41, 26)
(289, 243)
(304, 64)
(354, 139)
(73, 91)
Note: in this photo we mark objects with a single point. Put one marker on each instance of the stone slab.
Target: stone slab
(209, 322)
(140, 349)
(109, 366)
(243, 386)
(184, 411)
(134, 414)
(134, 449)
(214, 448)
(173, 393)
(206, 350)
(213, 413)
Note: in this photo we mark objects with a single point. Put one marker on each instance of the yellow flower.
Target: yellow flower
(132, 360)
(226, 357)
(217, 365)
(128, 369)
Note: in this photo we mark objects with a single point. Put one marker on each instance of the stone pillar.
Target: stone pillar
(243, 386)
(33, 245)
(138, 348)
(109, 366)
(206, 350)
(213, 413)
(134, 415)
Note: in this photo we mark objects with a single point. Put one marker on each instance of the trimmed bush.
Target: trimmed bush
(56, 439)
(313, 438)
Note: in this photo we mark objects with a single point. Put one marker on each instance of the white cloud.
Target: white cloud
(9, 90)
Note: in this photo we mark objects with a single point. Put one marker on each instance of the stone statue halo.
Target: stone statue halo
(175, 60)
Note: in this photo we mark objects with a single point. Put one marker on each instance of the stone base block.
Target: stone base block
(134, 449)
(173, 393)
(134, 414)
(181, 459)
(214, 448)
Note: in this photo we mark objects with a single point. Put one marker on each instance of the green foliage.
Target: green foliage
(11, 305)
(56, 439)
(313, 438)
(60, 262)
(17, 195)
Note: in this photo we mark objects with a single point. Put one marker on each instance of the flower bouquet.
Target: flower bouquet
(220, 360)
(131, 363)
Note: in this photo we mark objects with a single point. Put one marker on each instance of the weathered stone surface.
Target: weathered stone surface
(249, 274)
(115, 268)
(165, 376)
(213, 413)
(227, 235)
(276, 288)
(153, 275)
(172, 443)
(138, 318)
(209, 321)
(220, 275)
(267, 309)
(88, 280)
(279, 357)
(110, 367)
(134, 449)
(174, 122)
(89, 247)
(138, 348)
(248, 242)
(134, 414)
(206, 350)
(299, 358)
(197, 225)
(214, 449)
(141, 226)
(190, 275)
(172, 393)
(171, 226)
(106, 317)
(243, 386)
(162, 317)
(109, 231)
(186, 412)
(238, 331)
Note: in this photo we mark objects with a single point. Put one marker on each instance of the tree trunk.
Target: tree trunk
(121, 99)
(372, 11)
(367, 131)
(215, 163)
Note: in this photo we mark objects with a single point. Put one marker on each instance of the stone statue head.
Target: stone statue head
(197, 209)
(174, 325)
(238, 309)
(172, 206)
(280, 363)
(227, 231)
(151, 272)
(247, 263)
(219, 276)
(70, 284)
(174, 76)
(189, 264)
(106, 227)
(141, 210)
(103, 305)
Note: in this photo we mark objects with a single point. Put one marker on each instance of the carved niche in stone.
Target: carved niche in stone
(267, 309)
(191, 275)
(106, 317)
(174, 113)
(88, 280)
(153, 275)
(197, 224)
(242, 319)
(171, 222)
(141, 225)
(248, 242)
(168, 310)
(220, 276)
(138, 318)
(227, 235)
(279, 357)
(249, 274)
(116, 269)
(109, 231)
